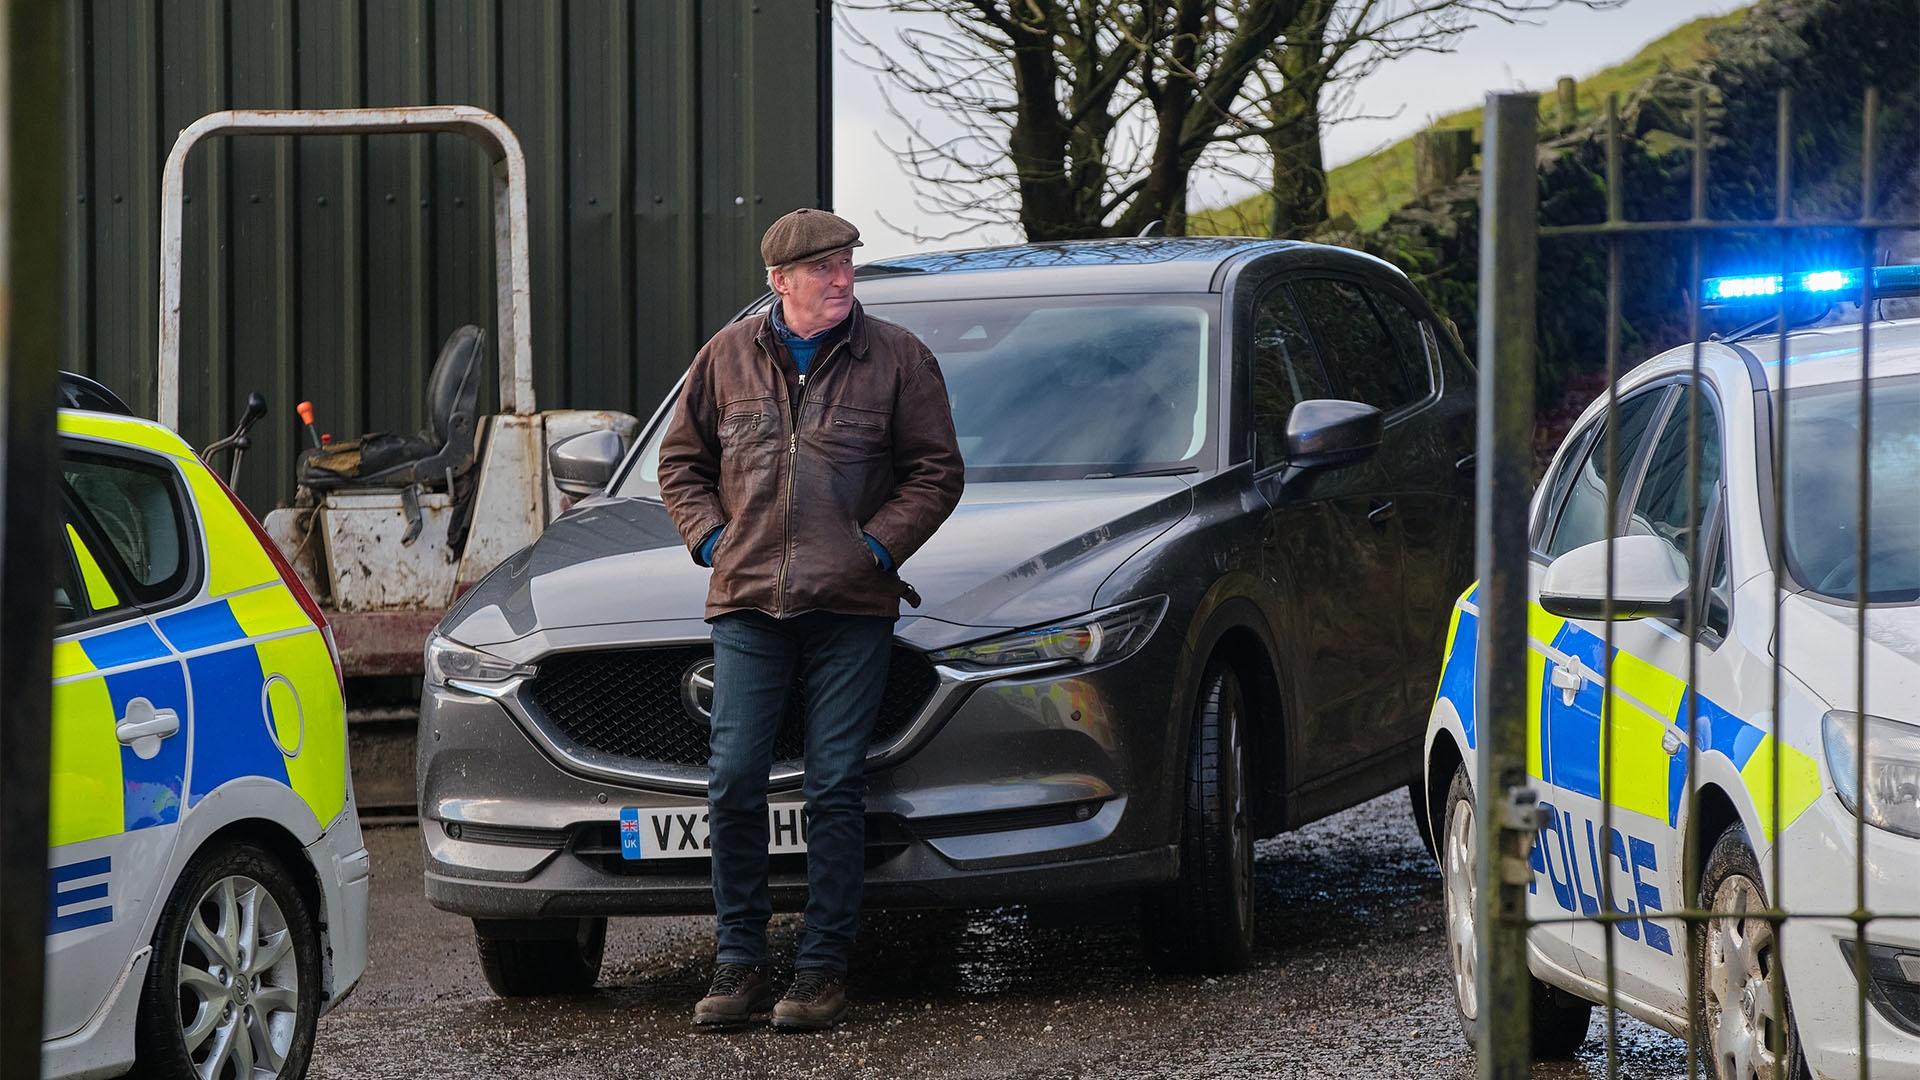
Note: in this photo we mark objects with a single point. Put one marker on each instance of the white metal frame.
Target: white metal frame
(513, 287)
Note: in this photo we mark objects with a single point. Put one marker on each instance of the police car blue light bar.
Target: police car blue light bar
(1837, 284)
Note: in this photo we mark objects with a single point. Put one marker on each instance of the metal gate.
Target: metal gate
(1511, 822)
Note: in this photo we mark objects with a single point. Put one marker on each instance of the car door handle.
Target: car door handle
(144, 726)
(1379, 511)
(1671, 742)
(1568, 681)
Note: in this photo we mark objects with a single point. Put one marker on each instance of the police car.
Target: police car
(208, 883)
(1747, 396)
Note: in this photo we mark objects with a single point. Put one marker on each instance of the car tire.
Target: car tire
(211, 996)
(566, 961)
(1202, 921)
(1419, 805)
(1747, 948)
(1560, 1020)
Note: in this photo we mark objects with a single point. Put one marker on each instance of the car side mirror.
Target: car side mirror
(1328, 434)
(583, 464)
(1650, 580)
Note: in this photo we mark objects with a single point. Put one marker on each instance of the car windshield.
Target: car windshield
(1823, 490)
(1066, 387)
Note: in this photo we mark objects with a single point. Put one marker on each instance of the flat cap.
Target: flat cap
(804, 234)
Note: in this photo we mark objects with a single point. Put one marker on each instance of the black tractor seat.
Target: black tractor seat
(433, 459)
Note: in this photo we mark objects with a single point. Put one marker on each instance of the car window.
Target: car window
(135, 506)
(1661, 507)
(1415, 338)
(1586, 517)
(1561, 479)
(1286, 371)
(1355, 345)
(1718, 616)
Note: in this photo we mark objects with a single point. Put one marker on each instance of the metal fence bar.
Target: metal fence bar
(1509, 252)
(1612, 450)
(1688, 628)
(31, 190)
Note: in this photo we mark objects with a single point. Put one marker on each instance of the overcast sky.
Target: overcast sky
(869, 184)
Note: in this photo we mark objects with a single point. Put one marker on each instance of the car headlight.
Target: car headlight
(448, 661)
(1095, 638)
(1891, 798)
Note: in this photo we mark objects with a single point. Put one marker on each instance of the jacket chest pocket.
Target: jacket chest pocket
(744, 423)
(851, 433)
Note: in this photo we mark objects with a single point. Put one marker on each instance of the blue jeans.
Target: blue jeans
(843, 662)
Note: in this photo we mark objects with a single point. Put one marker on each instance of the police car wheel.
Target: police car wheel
(561, 958)
(1203, 920)
(1560, 1020)
(1746, 1016)
(234, 985)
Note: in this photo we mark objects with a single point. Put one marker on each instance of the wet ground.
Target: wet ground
(1349, 979)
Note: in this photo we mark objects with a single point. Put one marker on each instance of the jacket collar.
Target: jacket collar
(854, 326)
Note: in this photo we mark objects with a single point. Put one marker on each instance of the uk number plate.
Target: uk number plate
(675, 833)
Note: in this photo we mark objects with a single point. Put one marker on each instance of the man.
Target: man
(811, 452)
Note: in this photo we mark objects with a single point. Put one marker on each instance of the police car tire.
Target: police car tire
(534, 967)
(157, 1035)
(1732, 854)
(1560, 1020)
(1202, 921)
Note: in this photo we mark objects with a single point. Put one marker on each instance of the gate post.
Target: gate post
(1509, 252)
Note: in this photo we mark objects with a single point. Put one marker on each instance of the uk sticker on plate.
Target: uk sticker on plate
(678, 833)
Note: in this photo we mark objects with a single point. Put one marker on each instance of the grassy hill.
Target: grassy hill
(1374, 186)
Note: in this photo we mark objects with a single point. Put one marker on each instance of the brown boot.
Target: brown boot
(738, 991)
(815, 1001)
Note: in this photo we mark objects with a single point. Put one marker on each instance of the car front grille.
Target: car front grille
(628, 703)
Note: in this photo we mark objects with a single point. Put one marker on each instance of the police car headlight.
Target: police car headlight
(1098, 637)
(449, 662)
(1890, 798)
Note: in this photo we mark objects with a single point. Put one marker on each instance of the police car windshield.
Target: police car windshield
(1823, 490)
(1061, 388)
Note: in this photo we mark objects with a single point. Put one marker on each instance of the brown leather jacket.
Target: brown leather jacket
(872, 451)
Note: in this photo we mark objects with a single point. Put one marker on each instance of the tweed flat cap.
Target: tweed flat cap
(804, 234)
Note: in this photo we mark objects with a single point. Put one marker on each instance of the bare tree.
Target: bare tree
(1074, 118)
(1088, 118)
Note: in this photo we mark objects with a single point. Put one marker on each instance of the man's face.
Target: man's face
(817, 294)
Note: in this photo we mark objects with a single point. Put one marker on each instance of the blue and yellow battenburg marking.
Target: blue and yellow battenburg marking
(1564, 740)
(243, 662)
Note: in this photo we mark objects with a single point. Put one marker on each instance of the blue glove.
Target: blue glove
(879, 552)
(705, 554)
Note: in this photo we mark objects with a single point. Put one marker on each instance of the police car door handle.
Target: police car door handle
(1671, 742)
(1568, 681)
(144, 726)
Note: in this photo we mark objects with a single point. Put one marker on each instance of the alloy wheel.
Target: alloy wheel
(1463, 940)
(1742, 991)
(238, 981)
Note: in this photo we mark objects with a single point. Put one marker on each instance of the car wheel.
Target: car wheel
(1203, 920)
(233, 988)
(563, 960)
(1743, 996)
(1560, 1020)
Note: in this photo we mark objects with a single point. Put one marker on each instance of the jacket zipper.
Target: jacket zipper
(793, 451)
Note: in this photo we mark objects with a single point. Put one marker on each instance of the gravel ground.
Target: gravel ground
(1349, 979)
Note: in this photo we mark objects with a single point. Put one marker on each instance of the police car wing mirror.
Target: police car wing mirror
(583, 464)
(1649, 581)
(1328, 434)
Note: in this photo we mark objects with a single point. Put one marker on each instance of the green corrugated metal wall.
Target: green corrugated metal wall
(662, 137)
